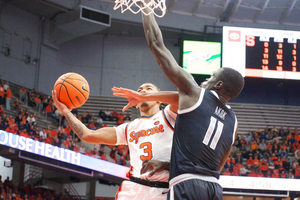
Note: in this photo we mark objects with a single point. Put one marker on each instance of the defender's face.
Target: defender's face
(209, 83)
(147, 88)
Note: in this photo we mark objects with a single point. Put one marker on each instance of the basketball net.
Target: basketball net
(135, 6)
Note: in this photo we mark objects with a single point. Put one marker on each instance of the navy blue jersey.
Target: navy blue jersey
(202, 135)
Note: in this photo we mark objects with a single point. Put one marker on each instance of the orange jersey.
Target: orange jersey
(68, 130)
(53, 133)
(254, 146)
(255, 162)
(8, 93)
(37, 100)
(250, 162)
(23, 90)
(24, 120)
(275, 175)
(76, 149)
(252, 174)
(264, 167)
(297, 137)
(24, 134)
(227, 173)
(1, 91)
(9, 120)
(260, 175)
(121, 119)
(48, 109)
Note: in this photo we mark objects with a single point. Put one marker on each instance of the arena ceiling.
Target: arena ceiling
(264, 11)
(276, 12)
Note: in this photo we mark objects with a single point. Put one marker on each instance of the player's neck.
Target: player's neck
(222, 97)
(150, 111)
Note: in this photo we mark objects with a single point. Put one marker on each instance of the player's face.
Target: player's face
(209, 83)
(147, 88)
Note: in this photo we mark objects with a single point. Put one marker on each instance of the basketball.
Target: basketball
(72, 89)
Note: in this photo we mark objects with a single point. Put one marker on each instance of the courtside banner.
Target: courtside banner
(257, 183)
(60, 154)
(71, 157)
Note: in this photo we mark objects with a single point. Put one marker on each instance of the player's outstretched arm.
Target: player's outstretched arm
(169, 97)
(106, 135)
(180, 77)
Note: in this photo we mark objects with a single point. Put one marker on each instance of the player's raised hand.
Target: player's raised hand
(154, 166)
(59, 105)
(133, 97)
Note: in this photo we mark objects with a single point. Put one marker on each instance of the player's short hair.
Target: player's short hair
(152, 84)
(161, 106)
(233, 81)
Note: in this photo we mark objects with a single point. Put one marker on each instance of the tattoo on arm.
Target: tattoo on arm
(76, 127)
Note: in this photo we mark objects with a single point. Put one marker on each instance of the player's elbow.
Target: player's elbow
(87, 137)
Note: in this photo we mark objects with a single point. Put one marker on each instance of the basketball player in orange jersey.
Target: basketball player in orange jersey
(148, 137)
(205, 127)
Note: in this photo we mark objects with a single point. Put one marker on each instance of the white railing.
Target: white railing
(31, 173)
(71, 190)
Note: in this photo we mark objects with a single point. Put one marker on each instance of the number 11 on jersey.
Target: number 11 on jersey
(210, 130)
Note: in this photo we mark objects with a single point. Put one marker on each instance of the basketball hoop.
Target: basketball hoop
(136, 6)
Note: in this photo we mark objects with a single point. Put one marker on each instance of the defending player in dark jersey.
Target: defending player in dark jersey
(205, 126)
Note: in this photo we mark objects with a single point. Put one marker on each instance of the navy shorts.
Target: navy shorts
(196, 189)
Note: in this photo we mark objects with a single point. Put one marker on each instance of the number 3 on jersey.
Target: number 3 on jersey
(210, 130)
(147, 146)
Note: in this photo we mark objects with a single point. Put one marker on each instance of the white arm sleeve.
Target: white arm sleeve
(121, 131)
(171, 116)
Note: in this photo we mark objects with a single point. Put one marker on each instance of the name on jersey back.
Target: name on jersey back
(220, 112)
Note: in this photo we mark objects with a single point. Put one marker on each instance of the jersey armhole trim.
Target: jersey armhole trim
(166, 120)
(197, 104)
(126, 128)
(235, 127)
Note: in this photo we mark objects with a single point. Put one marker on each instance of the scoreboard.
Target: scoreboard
(263, 53)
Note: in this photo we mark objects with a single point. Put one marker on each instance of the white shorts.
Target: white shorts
(129, 190)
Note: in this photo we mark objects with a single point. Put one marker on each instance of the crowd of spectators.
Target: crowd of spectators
(268, 153)
(37, 99)
(46, 105)
(25, 124)
(107, 115)
(5, 95)
(10, 192)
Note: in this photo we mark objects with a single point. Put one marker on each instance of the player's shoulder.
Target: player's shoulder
(168, 112)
